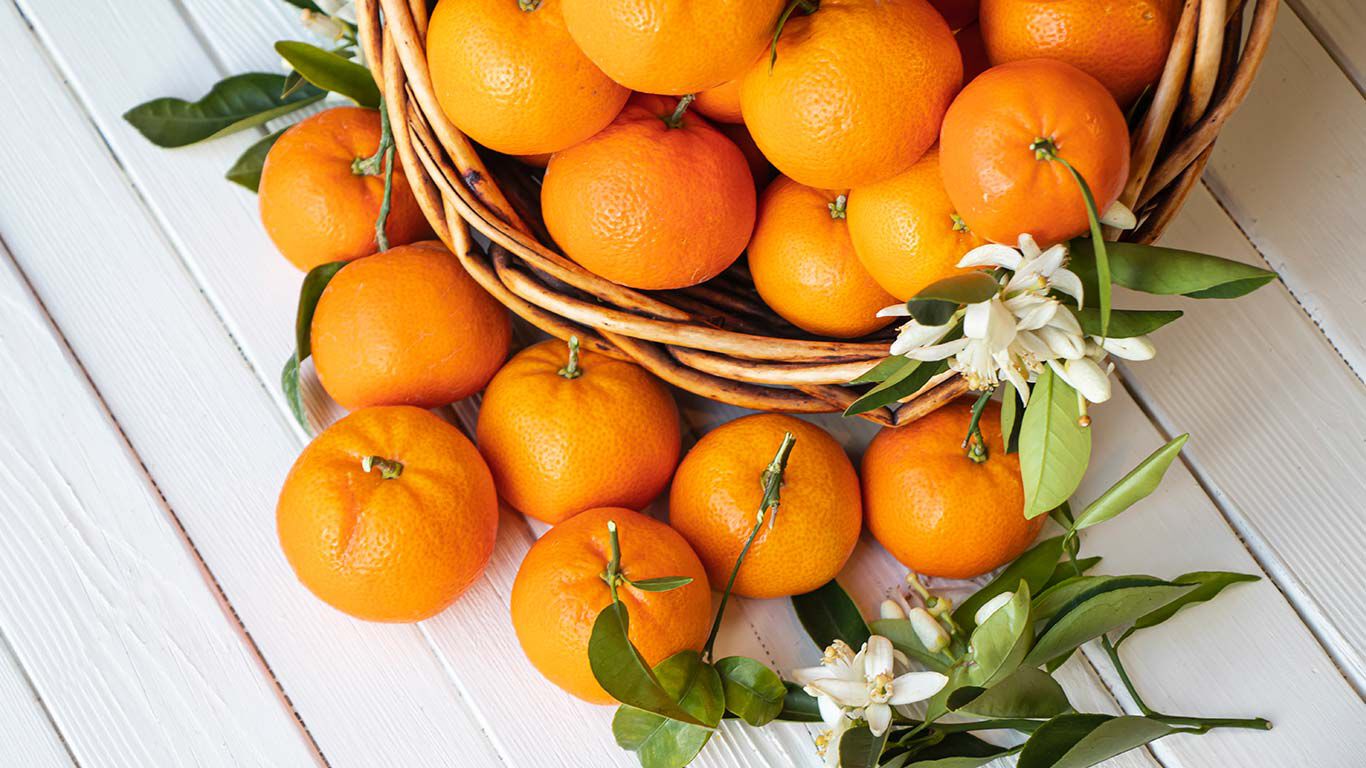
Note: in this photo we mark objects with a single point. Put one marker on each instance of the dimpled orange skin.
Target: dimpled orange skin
(936, 510)
(672, 46)
(559, 591)
(1121, 43)
(394, 550)
(857, 91)
(513, 80)
(718, 488)
(804, 266)
(998, 185)
(315, 209)
(407, 327)
(903, 230)
(650, 206)
(721, 103)
(558, 446)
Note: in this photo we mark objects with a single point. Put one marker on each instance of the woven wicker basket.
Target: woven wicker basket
(718, 339)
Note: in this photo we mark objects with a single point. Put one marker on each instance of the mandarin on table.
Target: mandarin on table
(318, 206)
(388, 515)
(507, 74)
(905, 230)
(804, 266)
(651, 202)
(407, 327)
(936, 510)
(1121, 43)
(857, 92)
(564, 435)
(995, 140)
(719, 487)
(560, 589)
(672, 47)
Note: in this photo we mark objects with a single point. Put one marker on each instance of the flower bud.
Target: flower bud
(891, 609)
(322, 25)
(1135, 348)
(991, 606)
(1119, 216)
(928, 629)
(1088, 378)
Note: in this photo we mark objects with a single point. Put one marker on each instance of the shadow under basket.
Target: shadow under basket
(718, 339)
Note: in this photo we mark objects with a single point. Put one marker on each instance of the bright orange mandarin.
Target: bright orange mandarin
(1121, 43)
(398, 542)
(905, 230)
(804, 265)
(407, 327)
(672, 46)
(316, 208)
(721, 103)
(507, 74)
(718, 488)
(559, 592)
(605, 433)
(857, 92)
(999, 183)
(935, 509)
(649, 205)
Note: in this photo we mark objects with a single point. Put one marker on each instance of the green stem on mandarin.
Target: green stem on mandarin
(389, 469)
(382, 162)
(974, 443)
(571, 370)
(675, 120)
(528, 5)
(612, 574)
(838, 208)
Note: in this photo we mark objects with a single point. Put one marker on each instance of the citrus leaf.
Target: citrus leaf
(905, 382)
(1054, 447)
(289, 384)
(1090, 617)
(1069, 592)
(1169, 271)
(660, 742)
(1034, 567)
(1133, 487)
(828, 613)
(965, 288)
(661, 584)
(1125, 323)
(310, 291)
(247, 170)
(799, 706)
(752, 691)
(621, 670)
(1079, 741)
(1001, 642)
(965, 761)
(233, 104)
(1208, 584)
(1026, 693)
(331, 72)
(1011, 409)
(859, 748)
(881, 371)
(903, 638)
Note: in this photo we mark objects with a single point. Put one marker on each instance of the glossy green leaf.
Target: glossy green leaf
(1125, 323)
(956, 750)
(1169, 271)
(621, 670)
(1026, 693)
(331, 72)
(310, 291)
(660, 742)
(881, 371)
(289, 384)
(1133, 487)
(964, 288)
(661, 584)
(931, 311)
(1034, 567)
(799, 706)
(1001, 642)
(859, 748)
(1079, 741)
(905, 382)
(964, 761)
(752, 691)
(1011, 411)
(1100, 249)
(1063, 595)
(1054, 448)
(247, 170)
(233, 104)
(1208, 585)
(828, 613)
(1065, 571)
(904, 639)
(1090, 617)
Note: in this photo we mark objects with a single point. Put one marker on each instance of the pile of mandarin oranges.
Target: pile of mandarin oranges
(850, 150)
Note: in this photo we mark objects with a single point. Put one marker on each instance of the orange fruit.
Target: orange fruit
(804, 266)
(316, 207)
(991, 161)
(388, 515)
(936, 510)
(905, 230)
(1121, 43)
(721, 103)
(563, 437)
(508, 75)
(407, 327)
(650, 204)
(719, 486)
(560, 590)
(857, 91)
(672, 46)
(973, 50)
(957, 13)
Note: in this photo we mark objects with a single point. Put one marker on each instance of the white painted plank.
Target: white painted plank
(1340, 25)
(29, 738)
(196, 413)
(1290, 168)
(100, 594)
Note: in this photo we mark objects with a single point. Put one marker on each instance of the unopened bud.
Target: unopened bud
(928, 629)
(992, 606)
(891, 609)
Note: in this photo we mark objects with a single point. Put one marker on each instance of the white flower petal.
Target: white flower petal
(1119, 216)
(1064, 345)
(831, 712)
(1051, 260)
(999, 328)
(879, 658)
(1028, 247)
(1135, 348)
(991, 255)
(914, 334)
(1017, 379)
(916, 686)
(896, 310)
(1066, 281)
(1033, 311)
(807, 675)
(846, 693)
(1087, 378)
(1067, 323)
(937, 351)
(879, 718)
(991, 606)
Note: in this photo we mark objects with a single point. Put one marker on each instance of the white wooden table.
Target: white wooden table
(147, 617)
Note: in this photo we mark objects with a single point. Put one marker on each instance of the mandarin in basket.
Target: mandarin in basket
(658, 199)
(388, 515)
(672, 46)
(856, 93)
(407, 327)
(935, 509)
(508, 75)
(1000, 144)
(560, 589)
(1121, 43)
(719, 487)
(319, 204)
(804, 266)
(564, 430)
(905, 230)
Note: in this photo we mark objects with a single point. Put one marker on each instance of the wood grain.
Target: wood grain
(29, 738)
